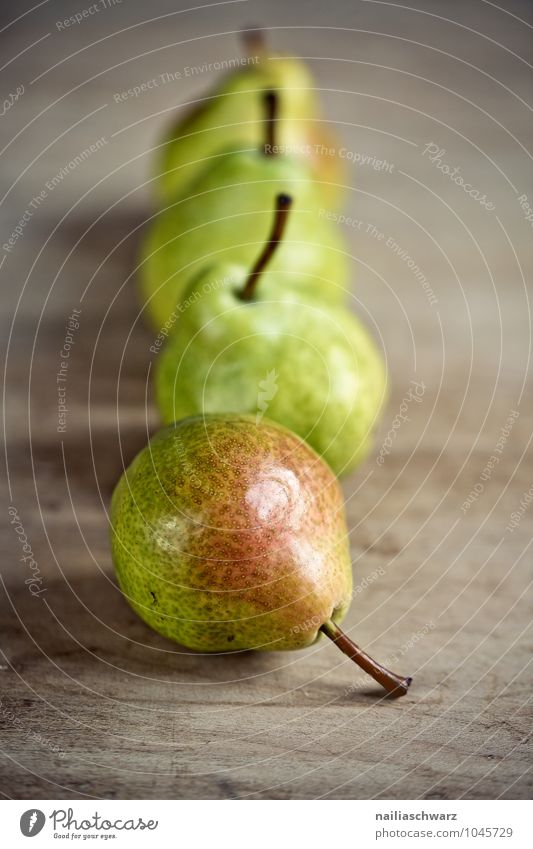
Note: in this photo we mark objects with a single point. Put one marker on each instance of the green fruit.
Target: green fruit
(248, 345)
(232, 117)
(230, 535)
(226, 217)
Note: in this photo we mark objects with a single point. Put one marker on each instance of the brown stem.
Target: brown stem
(394, 684)
(253, 40)
(271, 114)
(283, 204)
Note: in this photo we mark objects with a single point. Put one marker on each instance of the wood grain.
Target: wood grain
(92, 703)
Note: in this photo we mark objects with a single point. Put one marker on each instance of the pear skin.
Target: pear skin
(232, 118)
(227, 217)
(325, 376)
(229, 534)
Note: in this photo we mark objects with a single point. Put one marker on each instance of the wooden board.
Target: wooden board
(93, 703)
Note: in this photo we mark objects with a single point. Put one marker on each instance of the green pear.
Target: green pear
(227, 216)
(246, 344)
(229, 535)
(231, 117)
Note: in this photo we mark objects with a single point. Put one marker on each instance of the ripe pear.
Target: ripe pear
(229, 535)
(227, 216)
(247, 344)
(231, 117)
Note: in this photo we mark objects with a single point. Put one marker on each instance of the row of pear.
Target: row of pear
(228, 530)
(246, 279)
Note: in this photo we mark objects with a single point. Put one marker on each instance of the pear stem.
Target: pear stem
(283, 204)
(271, 114)
(253, 40)
(395, 685)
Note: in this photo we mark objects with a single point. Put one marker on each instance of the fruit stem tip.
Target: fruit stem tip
(395, 685)
(253, 39)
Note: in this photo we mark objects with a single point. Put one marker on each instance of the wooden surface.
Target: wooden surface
(93, 703)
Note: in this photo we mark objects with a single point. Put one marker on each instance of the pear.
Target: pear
(231, 117)
(229, 535)
(227, 216)
(247, 344)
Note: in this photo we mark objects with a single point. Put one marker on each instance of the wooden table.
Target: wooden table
(93, 703)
